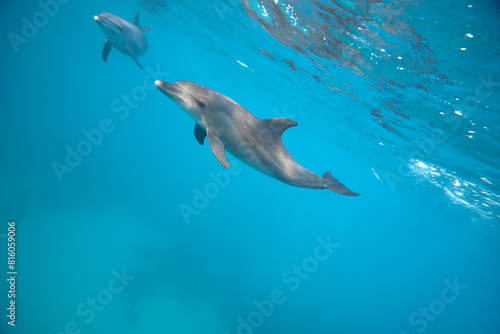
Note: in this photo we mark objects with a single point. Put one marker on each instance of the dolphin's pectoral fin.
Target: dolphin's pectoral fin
(105, 50)
(279, 125)
(136, 22)
(218, 149)
(134, 57)
(136, 60)
(200, 133)
(334, 185)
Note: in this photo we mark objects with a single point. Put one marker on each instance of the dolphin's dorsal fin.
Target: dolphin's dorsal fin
(200, 133)
(136, 22)
(279, 125)
(136, 19)
(133, 56)
(217, 147)
(105, 50)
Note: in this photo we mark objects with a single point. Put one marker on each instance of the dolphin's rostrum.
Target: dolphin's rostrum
(256, 142)
(124, 36)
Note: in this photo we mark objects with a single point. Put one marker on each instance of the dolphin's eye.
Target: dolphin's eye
(121, 29)
(200, 104)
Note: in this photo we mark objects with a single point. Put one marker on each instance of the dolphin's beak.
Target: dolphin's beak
(96, 18)
(167, 88)
(173, 91)
(163, 86)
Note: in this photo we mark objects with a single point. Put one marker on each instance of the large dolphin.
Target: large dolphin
(256, 142)
(124, 36)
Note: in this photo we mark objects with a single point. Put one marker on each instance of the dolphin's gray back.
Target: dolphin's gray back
(255, 142)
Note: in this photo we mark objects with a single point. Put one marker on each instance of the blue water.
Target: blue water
(400, 100)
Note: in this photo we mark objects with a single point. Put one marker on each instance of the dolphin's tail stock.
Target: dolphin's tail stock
(334, 185)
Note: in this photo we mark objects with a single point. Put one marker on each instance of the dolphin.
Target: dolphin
(256, 142)
(124, 36)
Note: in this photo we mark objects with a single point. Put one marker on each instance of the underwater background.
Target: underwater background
(146, 232)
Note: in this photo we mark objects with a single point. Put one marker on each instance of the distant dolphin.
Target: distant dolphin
(256, 142)
(125, 37)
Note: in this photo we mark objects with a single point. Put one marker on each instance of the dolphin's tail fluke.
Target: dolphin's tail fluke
(334, 185)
